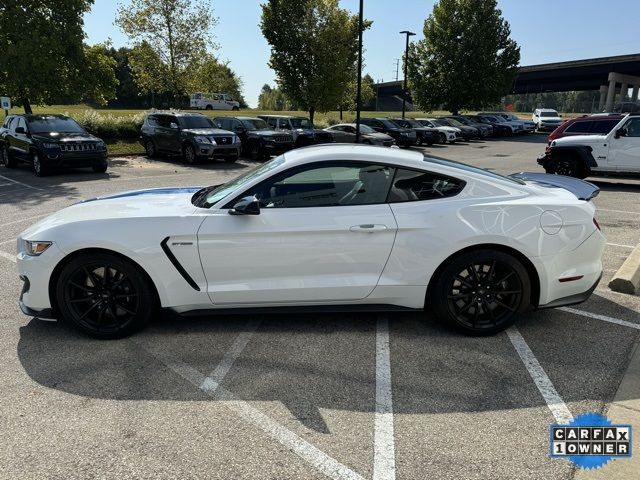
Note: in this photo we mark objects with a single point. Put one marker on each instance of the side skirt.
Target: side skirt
(298, 309)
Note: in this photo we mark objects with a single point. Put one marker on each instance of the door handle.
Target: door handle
(368, 228)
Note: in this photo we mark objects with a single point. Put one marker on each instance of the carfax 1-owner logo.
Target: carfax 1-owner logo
(590, 440)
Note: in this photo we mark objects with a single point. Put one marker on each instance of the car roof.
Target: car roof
(282, 116)
(177, 114)
(31, 116)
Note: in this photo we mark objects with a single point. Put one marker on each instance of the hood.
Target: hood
(449, 129)
(550, 119)
(65, 137)
(267, 133)
(377, 136)
(207, 131)
(156, 202)
(579, 140)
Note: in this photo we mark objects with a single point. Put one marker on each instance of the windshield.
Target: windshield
(454, 123)
(365, 129)
(413, 123)
(388, 123)
(195, 121)
(303, 123)
(548, 114)
(461, 120)
(54, 124)
(255, 124)
(440, 123)
(209, 196)
(469, 168)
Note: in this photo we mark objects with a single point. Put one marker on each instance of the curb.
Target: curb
(627, 278)
(624, 409)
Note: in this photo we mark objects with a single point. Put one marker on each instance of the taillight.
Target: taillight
(595, 222)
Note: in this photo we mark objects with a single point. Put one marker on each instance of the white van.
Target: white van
(213, 101)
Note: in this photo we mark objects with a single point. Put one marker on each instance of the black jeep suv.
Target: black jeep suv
(259, 141)
(192, 135)
(424, 134)
(404, 137)
(50, 141)
(304, 133)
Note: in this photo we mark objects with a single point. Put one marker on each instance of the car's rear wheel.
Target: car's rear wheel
(104, 296)
(481, 292)
(208, 107)
(189, 153)
(235, 109)
(7, 160)
(150, 148)
(38, 168)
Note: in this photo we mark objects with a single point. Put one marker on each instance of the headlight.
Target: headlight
(35, 248)
(200, 139)
(51, 146)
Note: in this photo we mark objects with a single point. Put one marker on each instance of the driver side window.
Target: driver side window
(327, 186)
(632, 128)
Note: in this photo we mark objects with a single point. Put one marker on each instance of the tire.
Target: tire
(7, 159)
(231, 159)
(39, 169)
(443, 138)
(189, 154)
(104, 296)
(208, 107)
(150, 148)
(235, 109)
(102, 168)
(255, 152)
(464, 293)
(567, 166)
(419, 141)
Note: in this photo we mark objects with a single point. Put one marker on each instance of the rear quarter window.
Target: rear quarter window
(413, 186)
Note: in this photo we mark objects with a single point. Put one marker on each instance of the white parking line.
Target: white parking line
(621, 245)
(604, 318)
(24, 219)
(555, 403)
(213, 381)
(384, 463)
(20, 183)
(616, 211)
(317, 458)
(8, 256)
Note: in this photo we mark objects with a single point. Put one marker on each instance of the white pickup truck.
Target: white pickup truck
(213, 101)
(583, 155)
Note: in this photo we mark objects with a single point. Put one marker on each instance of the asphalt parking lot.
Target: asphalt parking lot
(303, 396)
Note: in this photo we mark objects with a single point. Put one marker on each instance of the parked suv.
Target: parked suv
(546, 119)
(583, 155)
(587, 125)
(424, 134)
(50, 141)
(484, 129)
(404, 137)
(303, 131)
(259, 140)
(192, 135)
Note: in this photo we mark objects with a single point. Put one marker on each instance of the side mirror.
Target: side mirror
(173, 125)
(21, 130)
(246, 206)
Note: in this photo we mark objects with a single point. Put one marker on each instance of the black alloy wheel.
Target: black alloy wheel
(256, 152)
(150, 148)
(443, 137)
(104, 296)
(482, 292)
(38, 168)
(566, 166)
(190, 154)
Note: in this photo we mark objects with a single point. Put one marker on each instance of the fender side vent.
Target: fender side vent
(177, 264)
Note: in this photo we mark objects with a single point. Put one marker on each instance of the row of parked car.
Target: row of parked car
(51, 141)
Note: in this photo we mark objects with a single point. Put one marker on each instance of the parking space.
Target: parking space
(303, 396)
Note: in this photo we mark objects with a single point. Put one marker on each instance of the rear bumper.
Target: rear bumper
(572, 299)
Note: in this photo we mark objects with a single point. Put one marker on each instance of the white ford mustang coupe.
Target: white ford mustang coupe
(332, 227)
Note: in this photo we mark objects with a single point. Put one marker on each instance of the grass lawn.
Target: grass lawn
(321, 120)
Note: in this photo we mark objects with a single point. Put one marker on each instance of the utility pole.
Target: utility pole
(359, 92)
(406, 64)
(397, 62)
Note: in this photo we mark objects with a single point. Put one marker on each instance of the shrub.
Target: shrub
(110, 127)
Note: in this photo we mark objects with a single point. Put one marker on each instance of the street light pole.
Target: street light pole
(359, 93)
(406, 63)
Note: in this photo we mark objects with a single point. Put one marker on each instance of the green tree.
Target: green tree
(211, 75)
(274, 99)
(98, 79)
(467, 59)
(43, 56)
(169, 36)
(314, 49)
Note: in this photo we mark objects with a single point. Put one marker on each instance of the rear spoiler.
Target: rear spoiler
(581, 189)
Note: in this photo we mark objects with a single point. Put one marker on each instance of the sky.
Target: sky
(546, 30)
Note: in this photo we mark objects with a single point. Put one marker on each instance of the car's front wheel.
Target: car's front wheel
(481, 292)
(100, 168)
(567, 166)
(7, 160)
(38, 168)
(104, 295)
(150, 148)
(190, 154)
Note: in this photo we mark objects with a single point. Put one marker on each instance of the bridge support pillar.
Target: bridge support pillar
(624, 90)
(634, 94)
(603, 97)
(611, 93)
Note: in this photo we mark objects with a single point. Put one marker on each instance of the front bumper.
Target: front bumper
(277, 148)
(55, 159)
(35, 273)
(404, 141)
(218, 151)
(548, 127)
